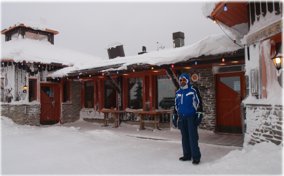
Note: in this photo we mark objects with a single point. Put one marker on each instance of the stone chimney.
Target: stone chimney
(115, 51)
(178, 39)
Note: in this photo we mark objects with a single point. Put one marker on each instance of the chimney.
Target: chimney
(115, 51)
(143, 50)
(178, 38)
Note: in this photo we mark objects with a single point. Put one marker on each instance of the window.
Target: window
(66, 91)
(36, 36)
(252, 12)
(233, 82)
(166, 93)
(89, 94)
(258, 9)
(110, 95)
(135, 93)
(32, 90)
(277, 8)
(2, 88)
(254, 82)
(270, 6)
(263, 8)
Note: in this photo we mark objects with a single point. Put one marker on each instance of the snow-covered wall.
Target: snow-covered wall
(263, 123)
(264, 111)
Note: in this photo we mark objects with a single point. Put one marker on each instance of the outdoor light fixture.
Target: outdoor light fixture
(225, 8)
(172, 65)
(25, 88)
(278, 58)
(277, 61)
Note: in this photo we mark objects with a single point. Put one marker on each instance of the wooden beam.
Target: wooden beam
(173, 76)
(113, 83)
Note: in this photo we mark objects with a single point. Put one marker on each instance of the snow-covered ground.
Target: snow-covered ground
(69, 149)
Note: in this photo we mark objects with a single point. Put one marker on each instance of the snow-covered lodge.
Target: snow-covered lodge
(258, 26)
(28, 56)
(234, 76)
(147, 82)
(143, 82)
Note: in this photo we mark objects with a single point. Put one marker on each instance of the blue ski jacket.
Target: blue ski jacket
(186, 100)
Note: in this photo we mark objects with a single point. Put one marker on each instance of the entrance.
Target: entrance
(230, 90)
(50, 103)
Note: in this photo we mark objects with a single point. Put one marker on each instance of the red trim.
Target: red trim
(95, 93)
(101, 93)
(125, 92)
(82, 94)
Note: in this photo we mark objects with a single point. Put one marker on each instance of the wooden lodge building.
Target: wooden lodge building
(240, 80)
(146, 82)
(28, 57)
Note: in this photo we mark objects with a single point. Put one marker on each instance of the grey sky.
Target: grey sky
(91, 26)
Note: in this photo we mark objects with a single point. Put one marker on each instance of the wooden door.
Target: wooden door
(230, 90)
(50, 103)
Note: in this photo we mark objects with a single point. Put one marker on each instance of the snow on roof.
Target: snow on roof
(113, 45)
(208, 7)
(210, 45)
(42, 51)
(31, 24)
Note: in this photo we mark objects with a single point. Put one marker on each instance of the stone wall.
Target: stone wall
(206, 87)
(263, 123)
(71, 110)
(24, 114)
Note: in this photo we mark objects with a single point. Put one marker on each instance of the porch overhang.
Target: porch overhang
(236, 13)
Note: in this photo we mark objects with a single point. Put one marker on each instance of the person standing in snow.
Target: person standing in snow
(187, 105)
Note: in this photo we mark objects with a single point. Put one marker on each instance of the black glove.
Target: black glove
(199, 117)
(174, 120)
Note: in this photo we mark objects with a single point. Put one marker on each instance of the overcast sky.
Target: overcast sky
(92, 26)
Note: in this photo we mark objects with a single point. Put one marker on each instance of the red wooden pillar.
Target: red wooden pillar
(154, 91)
(101, 93)
(124, 92)
(95, 94)
(146, 90)
(82, 94)
(263, 72)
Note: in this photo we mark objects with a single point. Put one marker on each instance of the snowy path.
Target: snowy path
(70, 150)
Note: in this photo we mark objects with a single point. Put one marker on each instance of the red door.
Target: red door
(230, 90)
(50, 103)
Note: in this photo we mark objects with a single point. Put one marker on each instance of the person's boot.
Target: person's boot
(195, 162)
(183, 158)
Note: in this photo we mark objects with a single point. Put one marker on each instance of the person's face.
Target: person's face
(182, 82)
